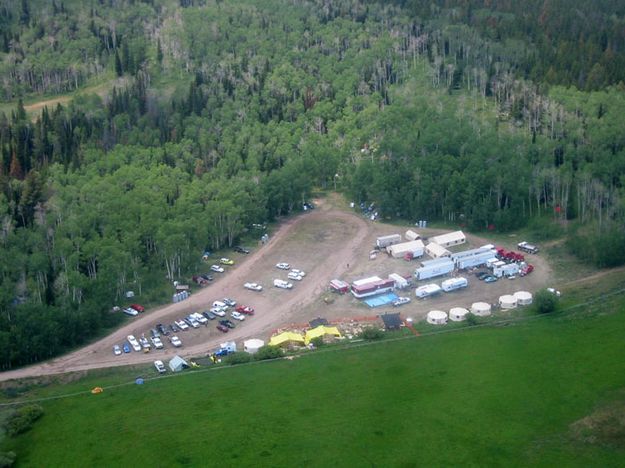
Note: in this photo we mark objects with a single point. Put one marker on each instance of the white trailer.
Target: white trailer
(400, 281)
(454, 283)
(413, 248)
(384, 241)
(427, 290)
(508, 269)
(472, 258)
(434, 268)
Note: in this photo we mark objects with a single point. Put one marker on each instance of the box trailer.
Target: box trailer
(413, 248)
(339, 286)
(454, 283)
(431, 270)
(508, 269)
(427, 290)
(411, 235)
(472, 258)
(371, 286)
(385, 241)
(400, 281)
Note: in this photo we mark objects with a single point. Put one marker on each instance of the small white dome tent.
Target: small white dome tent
(458, 314)
(507, 301)
(481, 309)
(523, 298)
(252, 346)
(437, 317)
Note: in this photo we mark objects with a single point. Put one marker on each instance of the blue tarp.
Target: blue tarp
(381, 300)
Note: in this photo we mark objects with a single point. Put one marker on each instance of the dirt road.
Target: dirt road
(322, 243)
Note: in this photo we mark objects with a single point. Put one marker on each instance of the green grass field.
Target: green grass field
(503, 395)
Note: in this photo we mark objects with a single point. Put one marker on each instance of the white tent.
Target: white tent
(481, 309)
(437, 317)
(507, 301)
(458, 314)
(253, 345)
(523, 298)
(449, 239)
(436, 251)
(177, 364)
(411, 235)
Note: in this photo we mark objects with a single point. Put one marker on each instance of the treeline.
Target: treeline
(427, 119)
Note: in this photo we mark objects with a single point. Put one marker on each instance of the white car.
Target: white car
(278, 283)
(175, 341)
(223, 305)
(253, 286)
(191, 321)
(401, 301)
(199, 318)
(217, 269)
(283, 266)
(145, 343)
(160, 367)
(294, 276)
(298, 272)
(117, 350)
(133, 342)
(219, 311)
(237, 316)
(182, 324)
(554, 291)
(156, 341)
(130, 311)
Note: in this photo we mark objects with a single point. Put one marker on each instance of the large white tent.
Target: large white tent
(437, 317)
(177, 364)
(523, 298)
(458, 314)
(507, 301)
(252, 346)
(481, 309)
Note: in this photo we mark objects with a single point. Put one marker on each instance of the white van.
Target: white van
(221, 305)
(278, 283)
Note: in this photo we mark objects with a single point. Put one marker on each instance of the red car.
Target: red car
(137, 307)
(222, 328)
(247, 310)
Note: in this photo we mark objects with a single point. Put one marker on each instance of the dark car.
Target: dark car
(126, 348)
(161, 329)
(222, 328)
(227, 323)
(209, 315)
(207, 277)
(243, 250)
(481, 275)
(174, 328)
(154, 333)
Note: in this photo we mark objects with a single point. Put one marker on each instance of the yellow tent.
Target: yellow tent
(286, 338)
(321, 330)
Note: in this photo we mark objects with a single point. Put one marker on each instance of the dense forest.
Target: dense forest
(220, 114)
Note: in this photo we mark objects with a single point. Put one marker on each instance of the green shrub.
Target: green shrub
(23, 419)
(544, 228)
(372, 333)
(472, 320)
(238, 358)
(545, 301)
(317, 342)
(7, 459)
(602, 246)
(268, 352)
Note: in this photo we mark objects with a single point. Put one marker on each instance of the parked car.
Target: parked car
(298, 272)
(126, 348)
(243, 250)
(207, 277)
(117, 351)
(481, 275)
(294, 276)
(278, 283)
(156, 341)
(174, 328)
(222, 328)
(209, 315)
(229, 302)
(145, 344)
(182, 325)
(554, 291)
(199, 318)
(490, 279)
(511, 277)
(130, 311)
(154, 332)
(160, 367)
(237, 316)
(253, 286)
(227, 323)
(247, 310)
(161, 329)
(217, 269)
(218, 311)
(401, 301)
(191, 321)
(175, 341)
(133, 342)
(220, 304)
(283, 266)
(226, 261)
(138, 307)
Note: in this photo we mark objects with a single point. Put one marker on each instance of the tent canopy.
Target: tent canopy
(318, 321)
(321, 330)
(391, 321)
(286, 338)
(177, 364)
